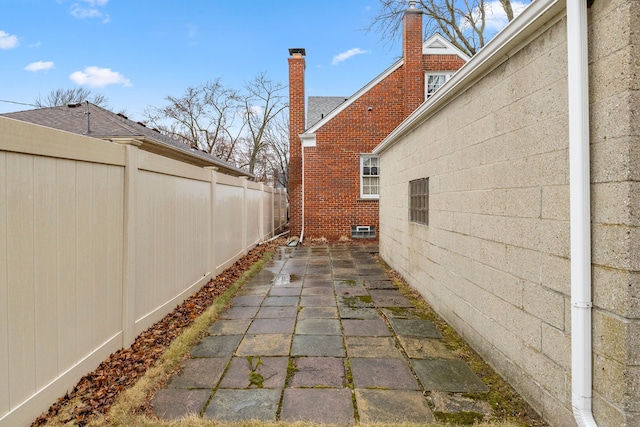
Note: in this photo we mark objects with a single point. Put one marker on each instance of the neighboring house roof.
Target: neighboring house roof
(104, 124)
(434, 45)
(320, 106)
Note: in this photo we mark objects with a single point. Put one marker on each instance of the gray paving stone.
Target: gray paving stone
(277, 312)
(287, 279)
(199, 373)
(425, 348)
(382, 373)
(282, 325)
(175, 403)
(280, 302)
(255, 290)
(265, 345)
(420, 328)
(256, 372)
(318, 327)
(393, 406)
(400, 313)
(318, 345)
(376, 347)
(379, 284)
(243, 405)
(319, 372)
(352, 291)
(285, 292)
(365, 327)
(318, 406)
(357, 301)
(229, 327)
(217, 346)
(318, 313)
(317, 301)
(318, 282)
(317, 291)
(239, 313)
(447, 375)
(247, 300)
(358, 313)
(389, 298)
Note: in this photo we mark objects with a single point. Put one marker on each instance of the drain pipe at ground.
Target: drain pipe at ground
(580, 214)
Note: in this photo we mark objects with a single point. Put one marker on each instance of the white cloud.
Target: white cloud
(39, 66)
(90, 10)
(346, 55)
(99, 77)
(7, 41)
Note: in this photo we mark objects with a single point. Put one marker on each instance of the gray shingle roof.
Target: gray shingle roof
(320, 106)
(105, 124)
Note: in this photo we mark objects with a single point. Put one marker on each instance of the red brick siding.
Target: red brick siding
(332, 168)
(442, 62)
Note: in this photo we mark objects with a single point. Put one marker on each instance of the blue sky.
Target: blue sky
(136, 52)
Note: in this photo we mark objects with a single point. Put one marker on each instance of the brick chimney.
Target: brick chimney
(413, 62)
(296, 127)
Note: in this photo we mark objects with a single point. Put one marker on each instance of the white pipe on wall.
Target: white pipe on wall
(580, 213)
(302, 195)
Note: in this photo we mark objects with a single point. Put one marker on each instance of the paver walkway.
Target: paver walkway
(320, 335)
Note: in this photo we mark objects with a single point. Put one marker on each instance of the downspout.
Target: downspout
(580, 213)
(302, 198)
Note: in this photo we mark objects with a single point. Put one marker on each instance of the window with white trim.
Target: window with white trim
(369, 176)
(434, 81)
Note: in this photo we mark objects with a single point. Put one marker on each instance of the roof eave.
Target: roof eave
(504, 45)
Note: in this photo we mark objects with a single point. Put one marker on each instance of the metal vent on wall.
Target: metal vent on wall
(363, 231)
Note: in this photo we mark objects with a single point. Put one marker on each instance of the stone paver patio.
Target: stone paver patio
(319, 335)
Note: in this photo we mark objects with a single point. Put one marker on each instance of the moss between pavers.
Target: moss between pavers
(459, 418)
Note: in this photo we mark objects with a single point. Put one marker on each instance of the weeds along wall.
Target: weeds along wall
(99, 240)
(494, 258)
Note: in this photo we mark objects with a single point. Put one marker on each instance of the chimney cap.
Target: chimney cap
(297, 51)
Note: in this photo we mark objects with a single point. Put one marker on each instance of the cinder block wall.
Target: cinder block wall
(494, 259)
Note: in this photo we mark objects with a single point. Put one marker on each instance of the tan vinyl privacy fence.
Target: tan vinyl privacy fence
(99, 240)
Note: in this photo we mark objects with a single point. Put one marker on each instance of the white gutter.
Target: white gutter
(580, 213)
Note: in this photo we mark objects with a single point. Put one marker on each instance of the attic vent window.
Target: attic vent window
(363, 231)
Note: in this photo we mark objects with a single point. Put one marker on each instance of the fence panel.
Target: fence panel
(228, 221)
(173, 220)
(60, 264)
(98, 241)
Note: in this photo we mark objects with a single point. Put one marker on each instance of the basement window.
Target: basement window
(363, 231)
(419, 201)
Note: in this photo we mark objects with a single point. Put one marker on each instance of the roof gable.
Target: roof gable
(438, 45)
(434, 45)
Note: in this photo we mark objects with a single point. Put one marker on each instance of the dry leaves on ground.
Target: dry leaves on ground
(98, 390)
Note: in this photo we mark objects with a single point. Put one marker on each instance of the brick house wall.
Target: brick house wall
(332, 201)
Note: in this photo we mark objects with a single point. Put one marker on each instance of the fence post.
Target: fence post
(261, 215)
(129, 241)
(245, 216)
(212, 221)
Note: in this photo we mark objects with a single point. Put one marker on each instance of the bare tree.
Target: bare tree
(462, 22)
(232, 125)
(206, 117)
(263, 102)
(277, 156)
(76, 95)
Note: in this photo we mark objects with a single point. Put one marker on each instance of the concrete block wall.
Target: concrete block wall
(494, 260)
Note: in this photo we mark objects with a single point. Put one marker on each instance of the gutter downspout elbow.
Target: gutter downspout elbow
(580, 214)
